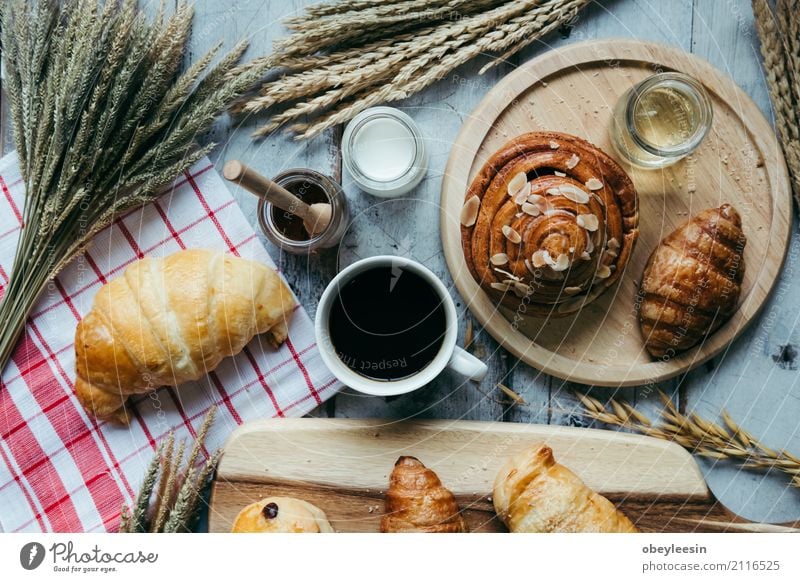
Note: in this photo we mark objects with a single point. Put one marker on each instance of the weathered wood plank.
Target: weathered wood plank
(756, 379)
(259, 21)
(550, 400)
(668, 23)
(723, 33)
(413, 224)
(720, 33)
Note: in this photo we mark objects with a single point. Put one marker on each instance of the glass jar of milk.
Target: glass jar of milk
(384, 152)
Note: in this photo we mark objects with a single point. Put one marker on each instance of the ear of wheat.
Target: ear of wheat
(349, 55)
(169, 500)
(725, 442)
(102, 120)
(779, 32)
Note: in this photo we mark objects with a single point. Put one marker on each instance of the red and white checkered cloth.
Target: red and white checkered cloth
(60, 470)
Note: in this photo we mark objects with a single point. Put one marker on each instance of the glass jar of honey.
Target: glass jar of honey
(661, 120)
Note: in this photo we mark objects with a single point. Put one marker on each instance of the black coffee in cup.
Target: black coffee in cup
(387, 323)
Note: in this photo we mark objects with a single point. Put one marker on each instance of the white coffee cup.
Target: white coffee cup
(449, 355)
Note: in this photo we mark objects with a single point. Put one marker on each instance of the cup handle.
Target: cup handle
(467, 365)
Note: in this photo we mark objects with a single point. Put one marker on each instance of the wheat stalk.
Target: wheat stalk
(102, 121)
(349, 55)
(531, 25)
(541, 24)
(353, 65)
(412, 63)
(355, 28)
(170, 473)
(430, 9)
(725, 442)
(364, 66)
(788, 15)
(353, 24)
(177, 485)
(424, 70)
(779, 33)
(136, 518)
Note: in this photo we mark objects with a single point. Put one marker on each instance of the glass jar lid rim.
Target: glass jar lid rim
(290, 176)
(699, 92)
(409, 173)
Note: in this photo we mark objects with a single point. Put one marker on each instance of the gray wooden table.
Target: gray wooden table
(755, 380)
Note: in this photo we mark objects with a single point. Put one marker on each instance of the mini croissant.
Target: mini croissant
(692, 281)
(534, 494)
(418, 502)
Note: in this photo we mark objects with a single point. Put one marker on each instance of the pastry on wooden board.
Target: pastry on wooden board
(692, 281)
(550, 220)
(535, 494)
(418, 502)
(281, 515)
(170, 320)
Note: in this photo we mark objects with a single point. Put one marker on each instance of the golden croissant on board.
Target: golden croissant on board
(281, 515)
(418, 502)
(692, 281)
(534, 494)
(170, 320)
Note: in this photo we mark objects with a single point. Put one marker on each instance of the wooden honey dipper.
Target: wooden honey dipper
(316, 217)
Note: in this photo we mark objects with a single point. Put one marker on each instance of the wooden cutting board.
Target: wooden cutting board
(343, 467)
(573, 90)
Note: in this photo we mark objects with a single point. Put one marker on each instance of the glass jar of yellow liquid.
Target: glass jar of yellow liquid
(661, 120)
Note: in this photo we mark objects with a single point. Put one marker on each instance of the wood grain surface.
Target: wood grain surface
(343, 467)
(574, 90)
(755, 378)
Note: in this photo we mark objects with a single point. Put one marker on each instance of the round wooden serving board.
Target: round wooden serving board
(573, 90)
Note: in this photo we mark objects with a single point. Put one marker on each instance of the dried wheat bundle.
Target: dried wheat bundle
(344, 57)
(779, 32)
(102, 120)
(726, 442)
(177, 485)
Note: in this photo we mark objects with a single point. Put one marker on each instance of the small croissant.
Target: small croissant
(418, 502)
(535, 494)
(692, 282)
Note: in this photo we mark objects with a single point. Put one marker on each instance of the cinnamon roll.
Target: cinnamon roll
(550, 220)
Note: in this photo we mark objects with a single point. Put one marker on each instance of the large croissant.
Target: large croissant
(171, 320)
(550, 222)
(692, 281)
(534, 494)
(418, 502)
